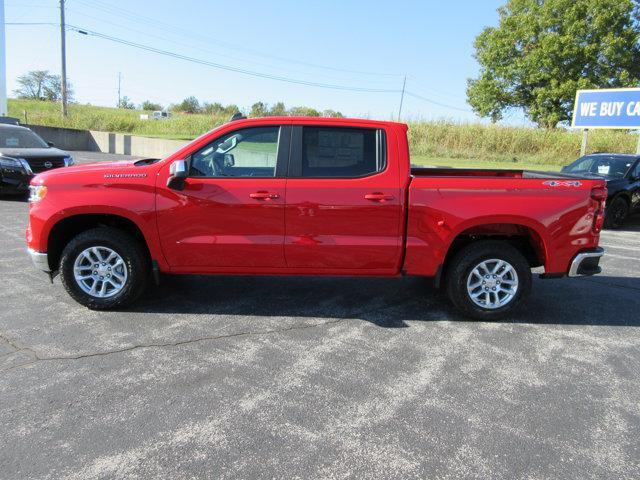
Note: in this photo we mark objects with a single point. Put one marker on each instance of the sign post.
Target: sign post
(585, 140)
(613, 108)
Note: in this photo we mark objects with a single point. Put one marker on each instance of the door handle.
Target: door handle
(378, 197)
(261, 195)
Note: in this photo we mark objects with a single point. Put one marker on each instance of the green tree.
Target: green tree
(188, 105)
(150, 106)
(304, 112)
(41, 85)
(278, 110)
(332, 113)
(544, 50)
(212, 108)
(125, 102)
(259, 109)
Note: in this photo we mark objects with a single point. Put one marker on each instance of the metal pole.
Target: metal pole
(585, 139)
(638, 145)
(119, 79)
(3, 65)
(63, 67)
(402, 97)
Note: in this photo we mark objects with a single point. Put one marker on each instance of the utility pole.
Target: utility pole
(404, 84)
(63, 67)
(3, 65)
(119, 81)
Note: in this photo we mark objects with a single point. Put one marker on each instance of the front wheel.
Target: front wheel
(104, 268)
(488, 280)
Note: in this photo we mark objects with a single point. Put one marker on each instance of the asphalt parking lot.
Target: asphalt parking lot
(237, 377)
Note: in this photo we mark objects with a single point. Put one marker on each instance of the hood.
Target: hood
(96, 173)
(33, 152)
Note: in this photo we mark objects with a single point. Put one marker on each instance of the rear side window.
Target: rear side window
(342, 152)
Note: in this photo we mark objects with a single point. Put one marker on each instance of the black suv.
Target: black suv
(622, 173)
(22, 155)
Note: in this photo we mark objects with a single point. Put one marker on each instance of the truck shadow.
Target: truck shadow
(388, 303)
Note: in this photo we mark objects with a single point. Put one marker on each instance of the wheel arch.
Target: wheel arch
(68, 227)
(526, 238)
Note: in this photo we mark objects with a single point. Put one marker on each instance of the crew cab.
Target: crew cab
(311, 196)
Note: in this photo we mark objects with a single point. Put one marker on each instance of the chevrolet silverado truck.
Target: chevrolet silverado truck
(311, 196)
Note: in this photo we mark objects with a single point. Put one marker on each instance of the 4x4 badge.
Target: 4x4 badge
(563, 183)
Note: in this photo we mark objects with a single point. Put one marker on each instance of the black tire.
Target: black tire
(461, 266)
(131, 252)
(616, 213)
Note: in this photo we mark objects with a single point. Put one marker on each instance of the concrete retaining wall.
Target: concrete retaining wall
(95, 141)
(65, 138)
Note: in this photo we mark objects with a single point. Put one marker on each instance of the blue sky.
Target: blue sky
(353, 43)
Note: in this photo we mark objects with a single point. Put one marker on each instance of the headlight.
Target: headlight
(37, 193)
(10, 162)
(68, 161)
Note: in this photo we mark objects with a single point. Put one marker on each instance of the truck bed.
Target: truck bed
(491, 173)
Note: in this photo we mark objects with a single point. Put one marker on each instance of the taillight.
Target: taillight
(599, 197)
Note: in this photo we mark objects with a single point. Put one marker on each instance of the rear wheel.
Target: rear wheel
(488, 280)
(104, 268)
(616, 213)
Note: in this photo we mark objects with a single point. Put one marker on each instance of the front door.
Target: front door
(344, 201)
(230, 214)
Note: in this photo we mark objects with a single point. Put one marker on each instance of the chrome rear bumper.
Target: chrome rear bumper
(586, 263)
(40, 260)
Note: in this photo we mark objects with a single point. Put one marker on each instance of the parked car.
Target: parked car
(24, 154)
(9, 120)
(622, 173)
(311, 196)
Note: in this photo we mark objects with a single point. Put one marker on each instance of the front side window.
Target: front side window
(250, 152)
(342, 152)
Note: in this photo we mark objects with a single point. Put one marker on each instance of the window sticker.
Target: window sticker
(603, 169)
(12, 142)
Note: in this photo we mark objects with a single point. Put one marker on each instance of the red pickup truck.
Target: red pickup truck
(311, 196)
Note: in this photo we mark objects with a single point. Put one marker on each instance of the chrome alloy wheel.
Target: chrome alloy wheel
(100, 272)
(492, 283)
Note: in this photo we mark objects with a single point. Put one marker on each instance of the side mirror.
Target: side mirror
(51, 144)
(229, 160)
(178, 172)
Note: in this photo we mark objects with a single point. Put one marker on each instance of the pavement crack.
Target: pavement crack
(16, 346)
(38, 358)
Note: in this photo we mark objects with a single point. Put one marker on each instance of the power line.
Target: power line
(242, 70)
(228, 67)
(428, 100)
(200, 49)
(120, 13)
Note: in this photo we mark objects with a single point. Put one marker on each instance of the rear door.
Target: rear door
(230, 214)
(344, 204)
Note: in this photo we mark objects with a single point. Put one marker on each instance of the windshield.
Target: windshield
(20, 138)
(601, 165)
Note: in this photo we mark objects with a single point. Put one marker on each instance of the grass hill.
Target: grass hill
(433, 143)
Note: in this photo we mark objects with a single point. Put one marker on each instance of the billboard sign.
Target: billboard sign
(607, 108)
